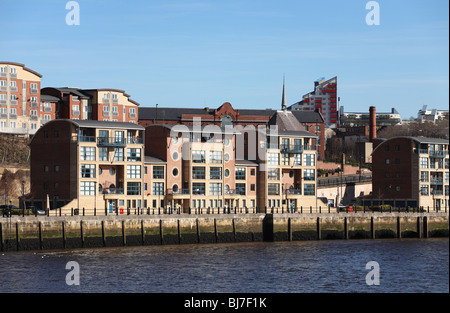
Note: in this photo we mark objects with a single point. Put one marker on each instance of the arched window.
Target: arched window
(227, 120)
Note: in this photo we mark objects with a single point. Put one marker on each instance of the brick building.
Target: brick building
(93, 104)
(21, 110)
(226, 115)
(411, 171)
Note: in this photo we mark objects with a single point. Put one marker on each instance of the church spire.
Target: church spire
(283, 98)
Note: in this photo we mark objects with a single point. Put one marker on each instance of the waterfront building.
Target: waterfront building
(21, 109)
(322, 98)
(93, 104)
(362, 119)
(312, 121)
(432, 115)
(87, 164)
(411, 171)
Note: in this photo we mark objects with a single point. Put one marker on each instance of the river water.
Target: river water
(405, 265)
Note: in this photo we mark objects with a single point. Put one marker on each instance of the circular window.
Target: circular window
(100, 171)
(227, 141)
(112, 171)
(227, 157)
(291, 174)
(175, 156)
(175, 140)
(227, 172)
(175, 188)
(175, 172)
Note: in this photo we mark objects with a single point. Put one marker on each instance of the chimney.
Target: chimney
(372, 124)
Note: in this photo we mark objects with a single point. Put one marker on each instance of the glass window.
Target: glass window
(309, 174)
(158, 172)
(215, 189)
(273, 174)
(87, 188)
(134, 188)
(158, 189)
(215, 173)
(88, 170)
(133, 171)
(198, 156)
(240, 173)
(424, 177)
(309, 190)
(423, 162)
(424, 190)
(198, 188)
(273, 158)
(240, 189)
(87, 153)
(273, 189)
(118, 154)
(215, 157)
(198, 172)
(134, 155)
(297, 159)
(309, 160)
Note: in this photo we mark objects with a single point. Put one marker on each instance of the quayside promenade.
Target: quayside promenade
(69, 232)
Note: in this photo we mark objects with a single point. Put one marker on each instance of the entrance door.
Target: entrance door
(112, 206)
(438, 205)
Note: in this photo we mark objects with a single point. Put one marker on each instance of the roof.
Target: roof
(105, 124)
(174, 114)
(207, 129)
(153, 159)
(286, 121)
(419, 140)
(21, 65)
(71, 90)
(246, 163)
(49, 98)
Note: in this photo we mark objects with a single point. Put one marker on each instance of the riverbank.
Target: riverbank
(68, 232)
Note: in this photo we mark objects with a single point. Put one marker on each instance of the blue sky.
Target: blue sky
(203, 53)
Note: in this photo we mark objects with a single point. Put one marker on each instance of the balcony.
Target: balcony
(180, 193)
(111, 142)
(34, 104)
(132, 115)
(86, 139)
(33, 91)
(294, 192)
(438, 153)
(436, 181)
(76, 113)
(291, 149)
(105, 100)
(47, 109)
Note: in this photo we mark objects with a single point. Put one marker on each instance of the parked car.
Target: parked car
(9, 209)
(36, 210)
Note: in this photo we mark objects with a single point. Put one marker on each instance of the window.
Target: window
(240, 173)
(175, 172)
(273, 189)
(240, 189)
(198, 189)
(45, 168)
(397, 161)
(133, 171)
(87, 188)
(309, 174)
(158, 172)
(215, 173)
(134, 155)
(133, 188)
(285, 158)
(198, 156)
(273, 174)
(424, 177)
(424, 190)
(446, 177)
(387, 161)
(309, 190)
(252, 172)
(88, 170)
(158, 189)
(103, 154)
(309, 160)
(423, 162)
(252, 187)
(87, 153)
(198, 172)
(215, 157)
(118, 154)
(273, 158)
(397, 147)
(215, 189)
(227, 172)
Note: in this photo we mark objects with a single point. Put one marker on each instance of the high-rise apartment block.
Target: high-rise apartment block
(323, 98)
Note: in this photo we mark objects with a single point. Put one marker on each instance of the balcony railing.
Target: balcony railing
(111, 142)
(294, 191)
(178, 192)
(438, 153)
(437, 181)
(291, 148)
(111, 191)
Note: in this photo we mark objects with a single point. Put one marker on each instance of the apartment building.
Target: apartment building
(411, 171)
(322, 98)
(360, 119)
(93, 104)
(87, 164)
(432, 115)
(225, 114)
(21, 110)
